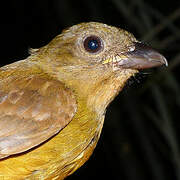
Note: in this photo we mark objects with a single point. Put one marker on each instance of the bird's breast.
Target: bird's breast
(61, 155)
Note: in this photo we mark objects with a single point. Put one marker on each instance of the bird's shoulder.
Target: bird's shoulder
(33, 108)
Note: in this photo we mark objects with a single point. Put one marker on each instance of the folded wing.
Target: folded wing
(32, 110)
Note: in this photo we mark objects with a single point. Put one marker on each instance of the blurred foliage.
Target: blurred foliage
(140, 139)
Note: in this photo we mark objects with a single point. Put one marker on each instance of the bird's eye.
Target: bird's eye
(93, 44)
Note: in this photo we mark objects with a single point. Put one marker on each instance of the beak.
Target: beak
(141, 57)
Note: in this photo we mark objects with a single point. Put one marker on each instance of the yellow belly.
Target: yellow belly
(58, 157)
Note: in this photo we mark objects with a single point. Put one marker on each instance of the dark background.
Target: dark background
(140, 138)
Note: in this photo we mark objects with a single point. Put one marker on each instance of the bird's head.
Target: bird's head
(93, 43)
(91, 55)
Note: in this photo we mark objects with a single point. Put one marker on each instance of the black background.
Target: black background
(140, 135)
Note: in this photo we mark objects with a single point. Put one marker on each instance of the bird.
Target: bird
(53, 103)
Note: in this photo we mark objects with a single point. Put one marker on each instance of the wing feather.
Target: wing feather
(32, 110)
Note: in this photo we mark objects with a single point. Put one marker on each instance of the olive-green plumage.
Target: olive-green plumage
(52, 104)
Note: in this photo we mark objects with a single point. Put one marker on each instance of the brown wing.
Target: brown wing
(32, 110)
